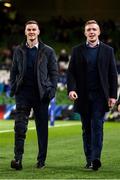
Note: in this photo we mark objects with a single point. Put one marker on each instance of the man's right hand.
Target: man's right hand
(73, 95)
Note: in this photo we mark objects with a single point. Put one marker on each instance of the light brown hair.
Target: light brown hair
(91, 22)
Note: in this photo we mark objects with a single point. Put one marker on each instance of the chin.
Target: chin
(92, 40)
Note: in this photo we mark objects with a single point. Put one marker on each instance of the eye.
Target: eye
(34, 29)
(88, 29)
(31, 29)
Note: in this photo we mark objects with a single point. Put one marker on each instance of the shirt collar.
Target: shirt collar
(36, 45)
(88, 44)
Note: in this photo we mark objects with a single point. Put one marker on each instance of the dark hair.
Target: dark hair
(31, 22)
(91, 22)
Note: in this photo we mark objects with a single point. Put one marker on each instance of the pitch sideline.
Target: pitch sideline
(57, 125)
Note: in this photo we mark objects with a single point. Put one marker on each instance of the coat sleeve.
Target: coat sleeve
(71, 81)
(113, 80)
(53, 72)
(13, 74)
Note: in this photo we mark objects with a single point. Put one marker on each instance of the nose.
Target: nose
(91, 31)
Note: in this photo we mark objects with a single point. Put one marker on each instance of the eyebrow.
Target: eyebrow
(91, 28)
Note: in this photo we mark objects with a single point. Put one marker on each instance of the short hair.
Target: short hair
(91, 22)
(31, 22)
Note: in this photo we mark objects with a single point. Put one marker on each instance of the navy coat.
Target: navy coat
(77, 74)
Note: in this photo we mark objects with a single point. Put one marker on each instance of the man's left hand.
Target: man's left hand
(111, 102)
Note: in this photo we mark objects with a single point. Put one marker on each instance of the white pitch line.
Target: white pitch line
(57, 125)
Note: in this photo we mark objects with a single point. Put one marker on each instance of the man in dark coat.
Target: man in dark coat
(33, 81)
(92, 85)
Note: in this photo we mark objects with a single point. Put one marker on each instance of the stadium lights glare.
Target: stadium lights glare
(7, 5)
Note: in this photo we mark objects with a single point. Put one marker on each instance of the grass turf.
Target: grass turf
(65, 158)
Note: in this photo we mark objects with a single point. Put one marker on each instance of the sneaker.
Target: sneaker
(16, 164)
(40, 165)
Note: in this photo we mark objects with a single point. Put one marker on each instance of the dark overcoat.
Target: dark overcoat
(46, 67)
(77, 75)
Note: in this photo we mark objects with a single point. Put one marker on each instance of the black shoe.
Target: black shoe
(96, 164)
(16, 164)
(88, 166)
(40, 165)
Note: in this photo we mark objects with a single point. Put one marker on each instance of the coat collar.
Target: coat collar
(40, 45)
(83, 50)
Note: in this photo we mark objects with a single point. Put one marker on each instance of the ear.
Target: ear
(38, 32)
(99, 32)
(25, 31)
(85, 33)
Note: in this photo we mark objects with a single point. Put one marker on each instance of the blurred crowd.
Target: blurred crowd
(58, 29)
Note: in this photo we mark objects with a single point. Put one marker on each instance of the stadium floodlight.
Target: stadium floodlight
(6, 4)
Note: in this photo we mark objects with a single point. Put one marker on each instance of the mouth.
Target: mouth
(92, 36)
(31, 35)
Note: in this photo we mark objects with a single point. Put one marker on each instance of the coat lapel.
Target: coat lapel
(83, 52)
(100, 57)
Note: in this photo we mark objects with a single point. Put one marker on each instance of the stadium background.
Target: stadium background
(61, 23)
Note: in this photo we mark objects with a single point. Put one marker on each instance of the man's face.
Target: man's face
(32, 31)
(92, 32)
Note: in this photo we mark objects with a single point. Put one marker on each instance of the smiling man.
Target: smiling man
(92, 85)
(33, 81)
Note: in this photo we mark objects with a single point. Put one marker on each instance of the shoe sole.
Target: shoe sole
(41, 167)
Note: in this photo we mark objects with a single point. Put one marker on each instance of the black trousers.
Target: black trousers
(92, 125)
(24, 103)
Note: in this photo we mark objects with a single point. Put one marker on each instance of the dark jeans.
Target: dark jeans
(92, 125)
(24, 103)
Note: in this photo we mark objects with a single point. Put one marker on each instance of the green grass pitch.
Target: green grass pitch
(65, 158)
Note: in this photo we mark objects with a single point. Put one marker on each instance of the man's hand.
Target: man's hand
(73, 95)
(118, 108)
(111, 102)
